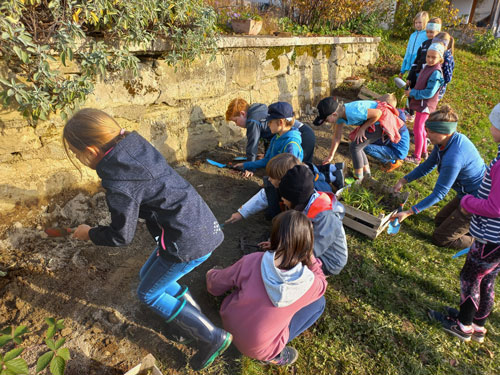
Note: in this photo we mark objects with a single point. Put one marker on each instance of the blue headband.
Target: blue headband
(438, 47)
(433, 26)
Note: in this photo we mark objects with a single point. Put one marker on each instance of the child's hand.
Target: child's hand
(239, 165)
(360, 136)
(407, 93)
(327, 160)
(247, 173)
(464, 211)
(234, 218)
(209, 284)
(399, 185)
(260, 156)
(265, 245)
(402, 215)
(82, 232)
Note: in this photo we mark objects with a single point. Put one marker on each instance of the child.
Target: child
(276, 294)
(431, 30)
(140, 184)
(424, 98)
(268, 197)
(449, 62)
(390, 153)
(286, 139)
(371, 118)
(253, 118)
(326, 213)
(477, 278)
(415, 41)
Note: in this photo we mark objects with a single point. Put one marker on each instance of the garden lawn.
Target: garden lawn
(375, 321)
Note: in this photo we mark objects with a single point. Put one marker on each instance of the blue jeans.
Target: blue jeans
(383, 153)
(158, 286)
(305, 317)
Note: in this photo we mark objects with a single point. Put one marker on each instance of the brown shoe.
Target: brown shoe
(393, 166)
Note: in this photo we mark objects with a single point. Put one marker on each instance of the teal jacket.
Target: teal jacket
(290, 142)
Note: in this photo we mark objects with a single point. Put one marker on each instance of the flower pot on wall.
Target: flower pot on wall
(250, 27)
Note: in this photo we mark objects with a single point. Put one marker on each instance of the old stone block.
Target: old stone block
(18, 140)
(241, 69)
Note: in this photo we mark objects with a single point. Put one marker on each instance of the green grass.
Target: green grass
(375, 320)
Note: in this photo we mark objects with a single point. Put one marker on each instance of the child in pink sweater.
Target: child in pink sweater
(276, 295)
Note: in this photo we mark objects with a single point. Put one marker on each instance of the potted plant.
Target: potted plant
(246, 23)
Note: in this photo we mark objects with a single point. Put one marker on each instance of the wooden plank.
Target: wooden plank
(364, 97)
(370, 219)
(359, 227)
(367, 92)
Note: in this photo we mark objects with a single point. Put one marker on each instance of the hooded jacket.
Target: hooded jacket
(256, 129)
(290, 142)
(416, 40)
(140, 184)
(330, 244)
(264, 300)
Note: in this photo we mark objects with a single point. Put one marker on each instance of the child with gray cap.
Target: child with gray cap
(326, 213)
(477, 278)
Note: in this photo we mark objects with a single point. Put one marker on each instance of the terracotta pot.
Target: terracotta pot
(250, 27)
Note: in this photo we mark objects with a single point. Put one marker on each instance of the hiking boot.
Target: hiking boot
(478, 335)
(450, 325)
(212, 340)
(393, 166)
(339, 178)
(287, 356)
(413, 160)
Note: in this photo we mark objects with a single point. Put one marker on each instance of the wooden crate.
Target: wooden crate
(365, 223)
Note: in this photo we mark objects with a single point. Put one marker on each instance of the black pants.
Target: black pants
(308, 142)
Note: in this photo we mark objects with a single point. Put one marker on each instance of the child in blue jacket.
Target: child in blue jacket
(280, 120)
(416, 39)
(140, 184)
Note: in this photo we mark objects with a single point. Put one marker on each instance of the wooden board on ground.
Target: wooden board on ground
(367, 94)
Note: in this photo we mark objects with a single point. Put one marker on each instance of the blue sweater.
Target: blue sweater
(140, 184)
(416, 40)
(459, 165)
(290, 142)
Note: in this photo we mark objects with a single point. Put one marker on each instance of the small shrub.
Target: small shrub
(486, 44)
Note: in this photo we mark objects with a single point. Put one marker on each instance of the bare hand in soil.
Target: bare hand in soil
(327, 160)
(265, 245)
(247, 174)
(82, 232)
(234, 218)
(399, 185)
(239, 165)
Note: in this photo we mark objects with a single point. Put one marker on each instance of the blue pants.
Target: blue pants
(383, 153)
(158, 286)
(305, 317)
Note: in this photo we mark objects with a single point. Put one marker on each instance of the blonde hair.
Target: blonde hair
(444, 113)
(91, 127)
(389, 98)
(436, 20)
(451, 41)
(424, 16)
(235, 107)
(277, 167)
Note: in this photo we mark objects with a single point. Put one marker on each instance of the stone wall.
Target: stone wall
(181, 111)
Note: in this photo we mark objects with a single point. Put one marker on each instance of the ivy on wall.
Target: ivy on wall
(42, 39)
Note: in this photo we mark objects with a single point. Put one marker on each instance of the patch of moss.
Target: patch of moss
(312, 50)
(274, 54)
(135, 87)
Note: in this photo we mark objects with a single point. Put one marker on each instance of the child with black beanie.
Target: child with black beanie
(297, 192)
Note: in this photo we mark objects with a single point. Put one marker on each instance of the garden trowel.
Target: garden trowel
(59, 232)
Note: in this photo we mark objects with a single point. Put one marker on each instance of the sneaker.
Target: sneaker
(288, 356)
(478, 335)
(412, 160)
(450, 325)
(393, 166)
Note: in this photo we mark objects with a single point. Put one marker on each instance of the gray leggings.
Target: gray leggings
(359, 159)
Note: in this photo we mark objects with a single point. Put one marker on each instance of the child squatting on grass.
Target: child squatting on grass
(460, 168)
(477, 278)
(276, 295)
(253, 119)
(280, 120)
(268, 197)
(140, 184)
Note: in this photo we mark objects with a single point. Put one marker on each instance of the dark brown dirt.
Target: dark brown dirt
(93, 288)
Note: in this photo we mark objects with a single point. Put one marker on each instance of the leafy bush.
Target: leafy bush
(56, 357)
(407, 9)
(486, 44)
(42, 38)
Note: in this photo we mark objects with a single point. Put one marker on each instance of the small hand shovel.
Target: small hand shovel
(220, 165)
(59, 232)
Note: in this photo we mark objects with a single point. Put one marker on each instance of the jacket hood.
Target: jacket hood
(333, 204)
(130, 160)
(284, 287)
(257, 112)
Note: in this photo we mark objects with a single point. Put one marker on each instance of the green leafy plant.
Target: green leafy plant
(53, 51)
(360, 197)
(486, 44)
(55, 359)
